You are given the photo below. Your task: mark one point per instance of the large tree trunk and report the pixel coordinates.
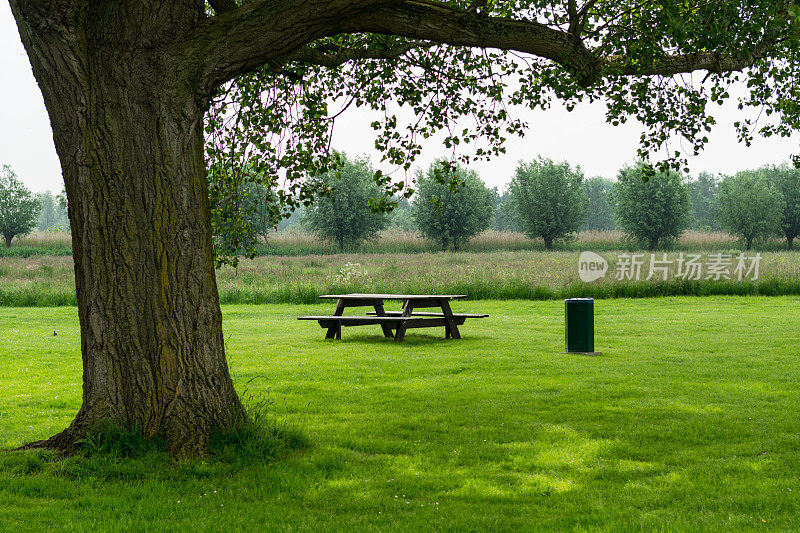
(129, 137)
(8, 240)
(548, 244)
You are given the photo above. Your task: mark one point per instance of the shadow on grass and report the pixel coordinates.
(441, 467)
(123, 454)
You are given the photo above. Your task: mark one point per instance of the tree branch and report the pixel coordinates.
(264, 31)
(316, 56)
(578, 20)
(442, 23)
(585, 8)
(268, 31)
(572, 11)
(683, 63)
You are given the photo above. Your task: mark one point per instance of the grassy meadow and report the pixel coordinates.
(531, 275)
(687, 421)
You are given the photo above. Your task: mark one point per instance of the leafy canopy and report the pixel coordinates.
(450, 214)
(18, 207)
(550, 199)
(52, 215)
(400, 217)
(505, 216)
(243, 212)
(636, 57)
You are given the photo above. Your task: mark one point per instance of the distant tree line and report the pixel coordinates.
(52, 214)
(544, 199)
(553, 201)
(22, 211)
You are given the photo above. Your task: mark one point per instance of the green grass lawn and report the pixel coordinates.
(689, 420)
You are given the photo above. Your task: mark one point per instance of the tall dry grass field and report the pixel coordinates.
(296, 241)
(486, 275)
(46, 239)
(299, 242)
(39, 243)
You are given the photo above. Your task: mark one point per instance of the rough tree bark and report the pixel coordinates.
(129, 136)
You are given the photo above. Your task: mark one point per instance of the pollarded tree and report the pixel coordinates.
(651, 211)
(750, 206)
(342, 213)
(51, 213)
(505, 217)
(452, 205)
(401, 218)
(243, 210)
(787, 180)
(128, 83)
(18, 207)
(241, 217)
(703, 192)
(600, 214)
(549, 198)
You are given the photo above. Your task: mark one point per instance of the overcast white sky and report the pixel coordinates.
(581, 137)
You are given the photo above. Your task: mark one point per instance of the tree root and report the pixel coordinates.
(65, 443)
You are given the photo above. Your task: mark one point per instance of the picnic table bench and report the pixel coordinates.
(394, 323)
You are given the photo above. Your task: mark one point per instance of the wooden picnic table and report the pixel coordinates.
(394, 323)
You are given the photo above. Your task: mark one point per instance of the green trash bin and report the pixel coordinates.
(579, 325)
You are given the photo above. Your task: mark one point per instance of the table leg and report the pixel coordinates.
(451, 329)
(408, 308)
(379, 311)
(335, 332)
